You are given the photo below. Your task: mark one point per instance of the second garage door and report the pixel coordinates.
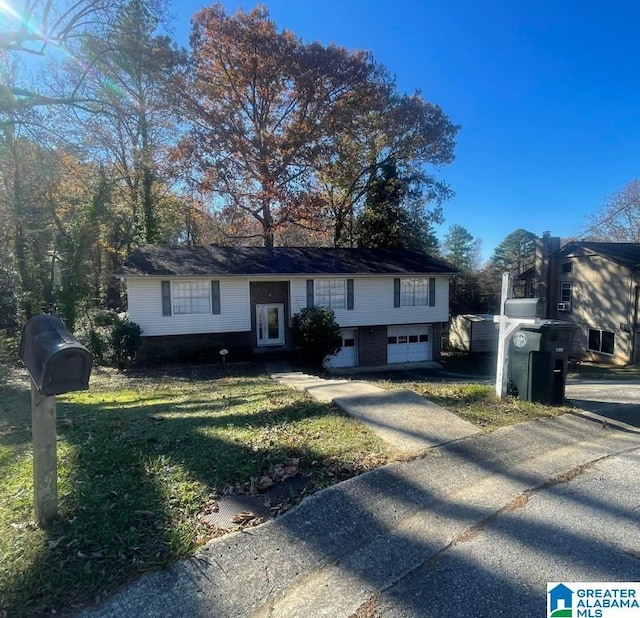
(348, 354)
(409, 343)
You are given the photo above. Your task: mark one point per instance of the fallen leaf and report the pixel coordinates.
(264, 482)
(243, 517)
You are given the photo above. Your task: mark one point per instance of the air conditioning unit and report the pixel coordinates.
(564, 306)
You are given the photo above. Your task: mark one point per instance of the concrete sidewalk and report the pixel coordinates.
(338, 549)
(402, 418)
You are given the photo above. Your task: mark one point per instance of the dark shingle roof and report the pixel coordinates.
(212, 260)
(623, 253)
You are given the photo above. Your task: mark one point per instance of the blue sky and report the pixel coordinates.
(547, 94)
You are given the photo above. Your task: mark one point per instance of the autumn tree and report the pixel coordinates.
(618, 220)
(132, 122)
(262, 105)
(286, 133)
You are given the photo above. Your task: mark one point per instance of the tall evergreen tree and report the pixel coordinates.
(390, 219)
(516, 253)
(459, 248)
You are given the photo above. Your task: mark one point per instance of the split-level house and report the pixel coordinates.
(390, 304)
(596, 285)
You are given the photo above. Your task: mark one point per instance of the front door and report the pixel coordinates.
(270, 324)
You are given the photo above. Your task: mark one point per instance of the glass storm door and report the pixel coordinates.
(270, 324)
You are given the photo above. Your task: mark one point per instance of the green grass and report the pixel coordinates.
(478, 403)
(483, 364)
(600, 371)
(140, 457)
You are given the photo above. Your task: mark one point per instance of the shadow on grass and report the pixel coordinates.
(134, 476)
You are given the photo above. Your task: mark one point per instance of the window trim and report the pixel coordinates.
(210, 291)
(601, 333)
(563, 285)
(348, 294)
(413, 297)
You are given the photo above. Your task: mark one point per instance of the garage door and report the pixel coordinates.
(409, 344)
(348, 354)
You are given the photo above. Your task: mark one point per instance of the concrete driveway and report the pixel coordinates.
(582, 530)
(618, 401)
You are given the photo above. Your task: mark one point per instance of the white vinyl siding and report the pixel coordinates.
(373, 303)
(145, 308)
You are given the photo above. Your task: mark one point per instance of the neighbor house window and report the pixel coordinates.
(414, 292)
(566, 267)
(603, 341)
(191, 297)
(565, 292)
(331, 293)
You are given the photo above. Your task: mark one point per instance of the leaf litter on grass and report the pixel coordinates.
(143, 458)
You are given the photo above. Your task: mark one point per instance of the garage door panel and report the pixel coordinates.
(409, 343)
(348, 354)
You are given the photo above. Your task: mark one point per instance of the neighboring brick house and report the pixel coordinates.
(390, 304)
(597, 286)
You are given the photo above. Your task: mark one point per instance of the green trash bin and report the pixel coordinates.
(538, 358)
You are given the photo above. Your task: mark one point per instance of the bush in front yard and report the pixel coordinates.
(126, 339)
(109, 336)
(317, 334)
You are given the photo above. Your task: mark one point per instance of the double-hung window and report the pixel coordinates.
(191, 297)
(414, 292)
(565, 292)
(331, 293)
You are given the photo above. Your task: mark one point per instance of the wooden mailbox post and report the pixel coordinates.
(57, 363)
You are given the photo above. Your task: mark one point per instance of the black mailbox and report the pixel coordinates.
(54, 358)
(524, 308)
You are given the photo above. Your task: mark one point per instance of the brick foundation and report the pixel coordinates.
(200, 348)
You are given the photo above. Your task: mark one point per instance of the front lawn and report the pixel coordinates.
(141, 460)
(478, 404)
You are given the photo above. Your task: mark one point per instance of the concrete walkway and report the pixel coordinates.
(402, 418)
